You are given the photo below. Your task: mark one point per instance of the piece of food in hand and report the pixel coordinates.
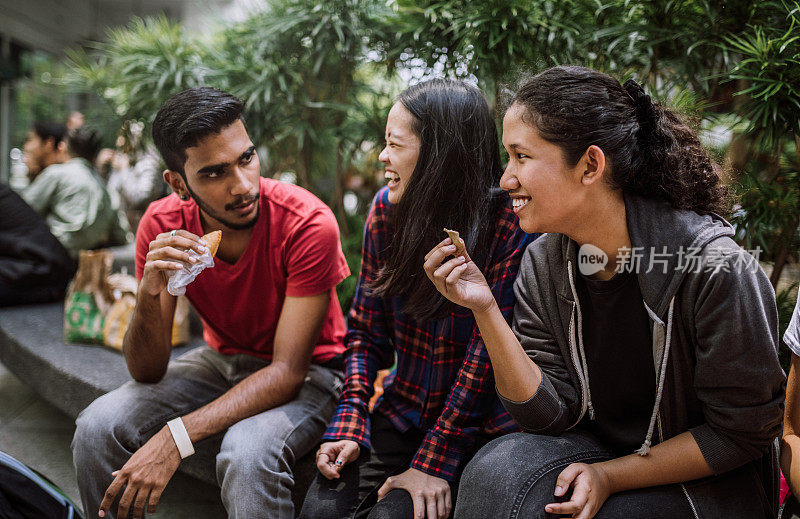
(457, 241)
(179, 279)
(213, 239)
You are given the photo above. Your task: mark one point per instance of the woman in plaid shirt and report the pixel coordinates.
(404, 458)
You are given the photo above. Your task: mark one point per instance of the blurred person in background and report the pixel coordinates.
(75, 120)
(133, 174)
(44, 147)
(72, 199)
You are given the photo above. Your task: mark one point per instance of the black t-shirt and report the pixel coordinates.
(619, 355)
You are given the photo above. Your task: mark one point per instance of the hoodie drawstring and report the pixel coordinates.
(644, 450)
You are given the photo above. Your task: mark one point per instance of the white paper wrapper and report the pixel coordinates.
(178, 279)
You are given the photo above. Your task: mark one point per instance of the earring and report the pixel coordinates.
(183, 197)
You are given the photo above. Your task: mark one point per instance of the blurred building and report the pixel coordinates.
(49, 27)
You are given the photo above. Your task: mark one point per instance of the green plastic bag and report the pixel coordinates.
(88, 298)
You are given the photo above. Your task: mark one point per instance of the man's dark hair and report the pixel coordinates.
(83, 142)
(188, 117)
(50, 130)
(454, 185)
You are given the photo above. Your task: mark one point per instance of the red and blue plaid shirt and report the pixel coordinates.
(443, 384)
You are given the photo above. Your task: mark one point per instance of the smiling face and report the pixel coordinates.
(546, 191)
(401, 152)
(223, 177)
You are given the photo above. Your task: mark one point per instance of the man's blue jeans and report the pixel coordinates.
(514, 476)
(254, 465)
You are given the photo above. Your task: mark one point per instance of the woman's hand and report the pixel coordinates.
(431, 495)
(458, 279)
(590, 489)
(332, 456)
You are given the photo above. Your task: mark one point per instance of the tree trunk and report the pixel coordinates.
(782, 255)
(774, 169)
(306, 159)
(738, 154)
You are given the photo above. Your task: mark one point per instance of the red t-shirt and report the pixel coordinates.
(294, 251)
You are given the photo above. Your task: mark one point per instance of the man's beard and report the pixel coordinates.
(213, 214)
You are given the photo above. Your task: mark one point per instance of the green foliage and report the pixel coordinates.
(39, 97)
(492, 40)
(770, 65)
(141, 66)
(297, 66)
(769, 204)
(768, 77)
(668, 43)
(771, 207)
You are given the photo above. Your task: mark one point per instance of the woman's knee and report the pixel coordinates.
(328, 499)
(317, 509)
(518, 470)
(397, 504)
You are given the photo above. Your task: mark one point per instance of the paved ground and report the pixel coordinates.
(38, 434)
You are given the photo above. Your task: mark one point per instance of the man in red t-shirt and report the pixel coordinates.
(269, 379)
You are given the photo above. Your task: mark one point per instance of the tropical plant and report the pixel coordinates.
(140, 66)
(770, 66)
(769, 70)
(296, 65)
(491, 40)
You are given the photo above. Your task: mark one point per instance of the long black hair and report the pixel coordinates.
(652, 152)
(454, 185)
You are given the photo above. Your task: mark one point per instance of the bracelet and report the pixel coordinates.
(181, 437)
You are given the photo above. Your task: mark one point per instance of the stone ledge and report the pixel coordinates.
(70, 376)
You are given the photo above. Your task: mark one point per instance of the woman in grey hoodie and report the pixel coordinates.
(642, 364)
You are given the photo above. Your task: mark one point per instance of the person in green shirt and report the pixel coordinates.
(73, 200)
(44, 147)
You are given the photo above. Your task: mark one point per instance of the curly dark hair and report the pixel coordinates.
(651, 150)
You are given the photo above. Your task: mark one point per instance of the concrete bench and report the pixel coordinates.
(71, 376)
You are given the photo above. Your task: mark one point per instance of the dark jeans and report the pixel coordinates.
(355, 493)
(514, 476)
(790, 508)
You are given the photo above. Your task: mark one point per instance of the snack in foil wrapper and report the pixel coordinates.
(178, 279)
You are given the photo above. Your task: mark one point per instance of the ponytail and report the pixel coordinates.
(652, 152)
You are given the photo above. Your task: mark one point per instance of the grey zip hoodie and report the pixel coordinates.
(715, 337)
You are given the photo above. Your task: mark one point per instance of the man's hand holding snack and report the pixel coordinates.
(458, 279)
(168, 253)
